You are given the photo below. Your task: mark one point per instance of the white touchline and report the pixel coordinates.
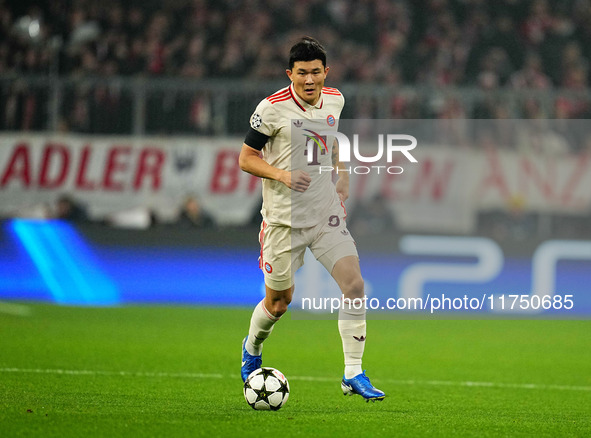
(109, 373)
(539, 386)
(15, 309)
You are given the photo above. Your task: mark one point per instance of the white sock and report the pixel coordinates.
(352, 371)
(261, 326)
(352, 327)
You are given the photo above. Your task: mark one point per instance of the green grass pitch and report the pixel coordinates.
(174, 371)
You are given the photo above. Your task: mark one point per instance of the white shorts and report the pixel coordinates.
(283, 247)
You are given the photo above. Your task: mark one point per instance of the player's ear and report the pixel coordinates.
(326, 69)
(289, 73)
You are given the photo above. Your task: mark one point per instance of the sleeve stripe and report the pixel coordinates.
(278, 93)
(280, 100)
(331, 91)
(278, 96)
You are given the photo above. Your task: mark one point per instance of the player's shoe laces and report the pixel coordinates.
(249, 362)
(361, 385)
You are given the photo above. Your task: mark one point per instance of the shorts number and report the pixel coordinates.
(334, 221)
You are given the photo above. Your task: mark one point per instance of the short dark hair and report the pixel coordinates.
(307, 49)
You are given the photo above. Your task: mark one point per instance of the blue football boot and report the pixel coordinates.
(249, 362)
(361, 385)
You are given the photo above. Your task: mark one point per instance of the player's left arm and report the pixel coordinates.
(342, 184)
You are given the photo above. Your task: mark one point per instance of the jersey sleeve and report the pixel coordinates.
(342, 105)
(264, 119)
(338, 115)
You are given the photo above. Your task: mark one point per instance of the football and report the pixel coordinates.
(266, 389)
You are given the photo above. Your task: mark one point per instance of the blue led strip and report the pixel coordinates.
(41, 258)
(65, 262)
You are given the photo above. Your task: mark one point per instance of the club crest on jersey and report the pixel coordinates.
(330, 120)
(268, 267)
(256, 121)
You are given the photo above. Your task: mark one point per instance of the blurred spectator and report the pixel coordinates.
(193, 216)
(486, 104)
(23, 108)
(530, 75)
(531, 108)
(69, 210)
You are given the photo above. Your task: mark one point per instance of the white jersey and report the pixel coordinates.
(292, 126)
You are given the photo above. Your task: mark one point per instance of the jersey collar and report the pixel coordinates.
(303, 104)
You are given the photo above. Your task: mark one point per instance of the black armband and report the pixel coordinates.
(255, 139)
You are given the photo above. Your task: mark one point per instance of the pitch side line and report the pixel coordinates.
(15, 309)
(302, 378)
(109, 373)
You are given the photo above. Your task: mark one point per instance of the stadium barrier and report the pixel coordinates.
(176, 106)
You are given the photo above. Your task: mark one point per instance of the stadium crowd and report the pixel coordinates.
(492, 47)
(516, 43)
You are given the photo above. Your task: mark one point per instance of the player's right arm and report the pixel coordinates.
(250, 161)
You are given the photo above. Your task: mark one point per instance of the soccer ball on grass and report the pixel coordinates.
(266, 389)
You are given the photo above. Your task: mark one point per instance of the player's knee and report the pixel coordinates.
(279, 307)
(354, 288)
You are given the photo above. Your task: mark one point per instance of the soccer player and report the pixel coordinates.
(303, 208)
